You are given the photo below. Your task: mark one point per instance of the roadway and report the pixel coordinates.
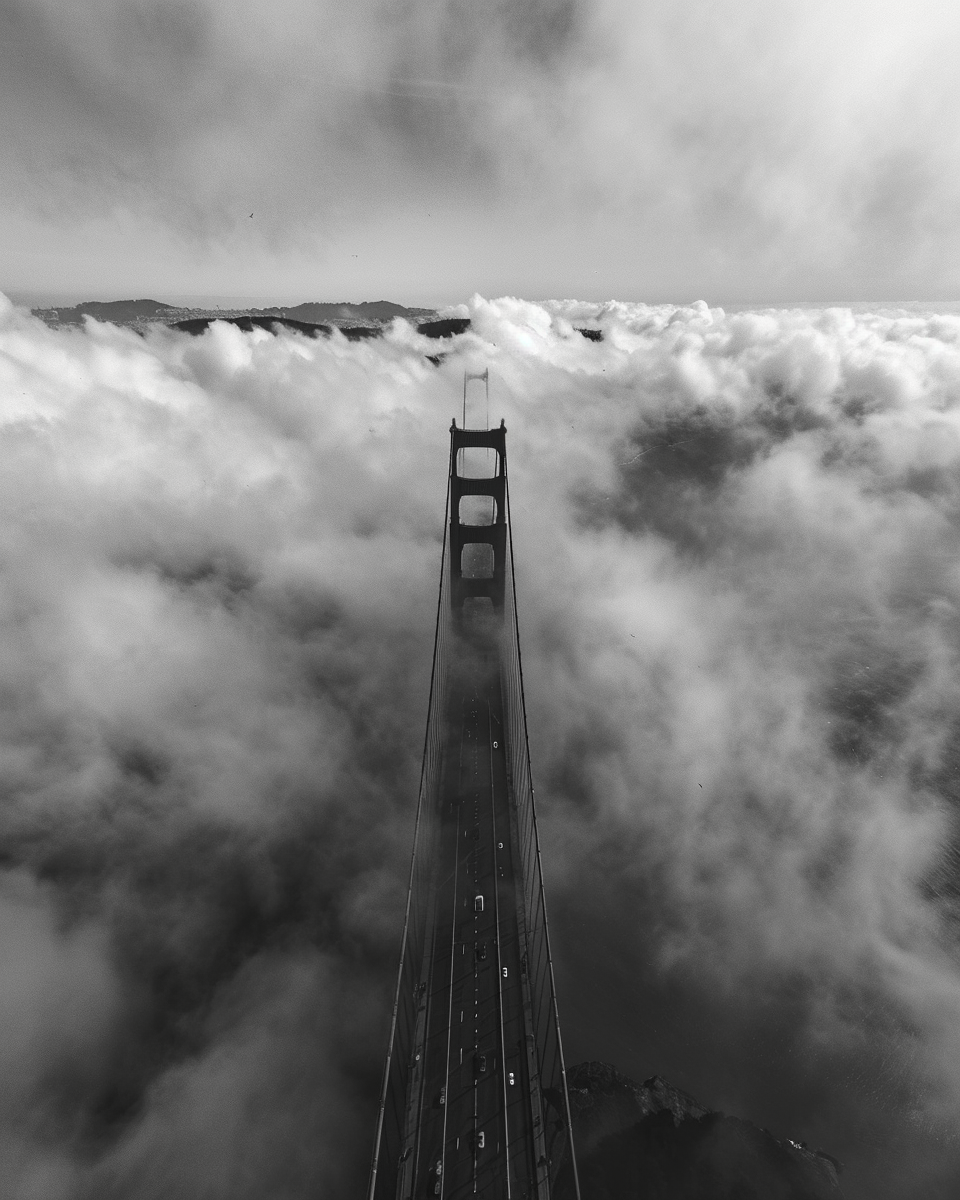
(479, 1126)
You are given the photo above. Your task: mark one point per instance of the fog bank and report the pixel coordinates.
(737, 543)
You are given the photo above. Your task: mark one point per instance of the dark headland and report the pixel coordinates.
(651, 1141)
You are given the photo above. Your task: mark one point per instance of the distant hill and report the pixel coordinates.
(355, 321)
(369, 314)
(381, 311)
(271, 322)
(250, 321)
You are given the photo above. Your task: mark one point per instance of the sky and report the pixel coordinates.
(737, 543)
(736, 151)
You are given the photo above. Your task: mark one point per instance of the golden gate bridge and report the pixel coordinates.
(474, 1100)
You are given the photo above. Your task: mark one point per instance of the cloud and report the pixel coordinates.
(182, 109)
(269, 1107)
(58, 1001)
(736, 539)
(210, 657)
(740, 150)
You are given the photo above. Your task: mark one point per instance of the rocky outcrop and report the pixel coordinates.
(603, 1101)
(651, 1141)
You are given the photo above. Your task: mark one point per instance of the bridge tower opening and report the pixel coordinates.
(475, 575)
(474, 1100)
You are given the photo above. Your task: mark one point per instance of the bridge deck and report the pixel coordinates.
(479, 1126)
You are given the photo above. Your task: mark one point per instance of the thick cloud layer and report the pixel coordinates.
(739, 148)
(737, 542)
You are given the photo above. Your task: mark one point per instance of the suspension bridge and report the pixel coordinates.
(474, 1100)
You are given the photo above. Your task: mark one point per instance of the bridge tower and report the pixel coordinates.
(474, 1100)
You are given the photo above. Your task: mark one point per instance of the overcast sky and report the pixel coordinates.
(734, 150)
